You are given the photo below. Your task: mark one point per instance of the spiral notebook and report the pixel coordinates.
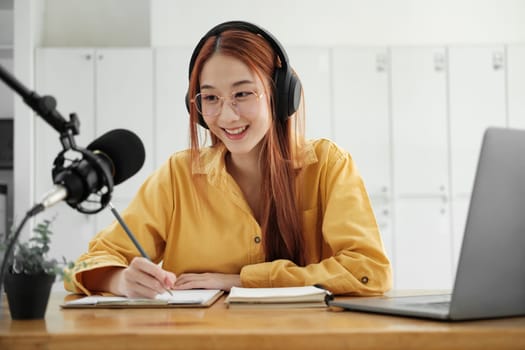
(178, 298)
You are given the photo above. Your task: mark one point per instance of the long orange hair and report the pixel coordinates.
(281, 220)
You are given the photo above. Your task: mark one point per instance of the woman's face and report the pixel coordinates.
(245, 116)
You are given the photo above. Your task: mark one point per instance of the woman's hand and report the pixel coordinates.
(207, 281)
(143, 279)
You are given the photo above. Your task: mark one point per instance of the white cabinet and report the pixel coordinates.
(171, 85)
(313, 68)
(124, 99)
(419, 121)
(67, 76)
(423, 257)
(361, 124)
(420, 167)
(383, 210)
(361, 112)
(107, 88)
(516, 85)
(476, 100)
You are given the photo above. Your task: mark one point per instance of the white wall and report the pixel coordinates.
(352, 22)
(96, 23)
(6, 27)
(294, 22)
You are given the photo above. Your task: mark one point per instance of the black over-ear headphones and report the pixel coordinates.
(287, 84)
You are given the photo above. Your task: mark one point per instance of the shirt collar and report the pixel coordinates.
(211, 159)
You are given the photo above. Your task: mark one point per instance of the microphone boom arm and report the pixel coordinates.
(45, 107)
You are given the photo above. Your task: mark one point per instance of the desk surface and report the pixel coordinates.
(220, 328)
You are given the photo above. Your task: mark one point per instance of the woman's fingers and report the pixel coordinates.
(142, 278)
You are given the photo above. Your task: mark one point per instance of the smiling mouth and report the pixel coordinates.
(236, 131)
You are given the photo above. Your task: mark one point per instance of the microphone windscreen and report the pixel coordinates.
(124, 149)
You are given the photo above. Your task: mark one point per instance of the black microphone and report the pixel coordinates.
(107, 161)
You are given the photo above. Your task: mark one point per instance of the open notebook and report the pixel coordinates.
(284, 297)
(179, 298)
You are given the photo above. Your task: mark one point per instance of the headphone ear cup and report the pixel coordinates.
(187, 101)
(294, 94)
(287, 93)
(201, 119)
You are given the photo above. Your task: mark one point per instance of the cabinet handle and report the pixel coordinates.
(381, 62)
(497, 60)
(87, 57)
(100, 57)
(439, 62)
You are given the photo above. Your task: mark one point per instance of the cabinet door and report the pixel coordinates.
(477, 100)
(171, 85)
(362, 124)
(124, 99)
(313, 68)
(67, 75)
(423, 257)
(361, 112)
(419, 121)
(516, 85)
(383, 212)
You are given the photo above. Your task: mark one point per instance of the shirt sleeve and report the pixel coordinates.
(354, 260)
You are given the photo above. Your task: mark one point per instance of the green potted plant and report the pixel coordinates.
(30, 274)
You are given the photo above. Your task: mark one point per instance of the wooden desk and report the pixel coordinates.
(220, 328)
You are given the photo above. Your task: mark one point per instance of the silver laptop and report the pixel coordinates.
(490, 278)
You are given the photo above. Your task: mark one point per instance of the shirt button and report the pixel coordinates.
(257, 239)
(364, 280)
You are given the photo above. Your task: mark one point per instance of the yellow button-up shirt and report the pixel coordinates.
(195, 219)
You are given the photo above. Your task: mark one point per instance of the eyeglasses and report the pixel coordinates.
(243, 102)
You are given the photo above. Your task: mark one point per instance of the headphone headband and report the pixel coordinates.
(244, 26)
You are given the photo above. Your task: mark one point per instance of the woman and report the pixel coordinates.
(260, 207)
